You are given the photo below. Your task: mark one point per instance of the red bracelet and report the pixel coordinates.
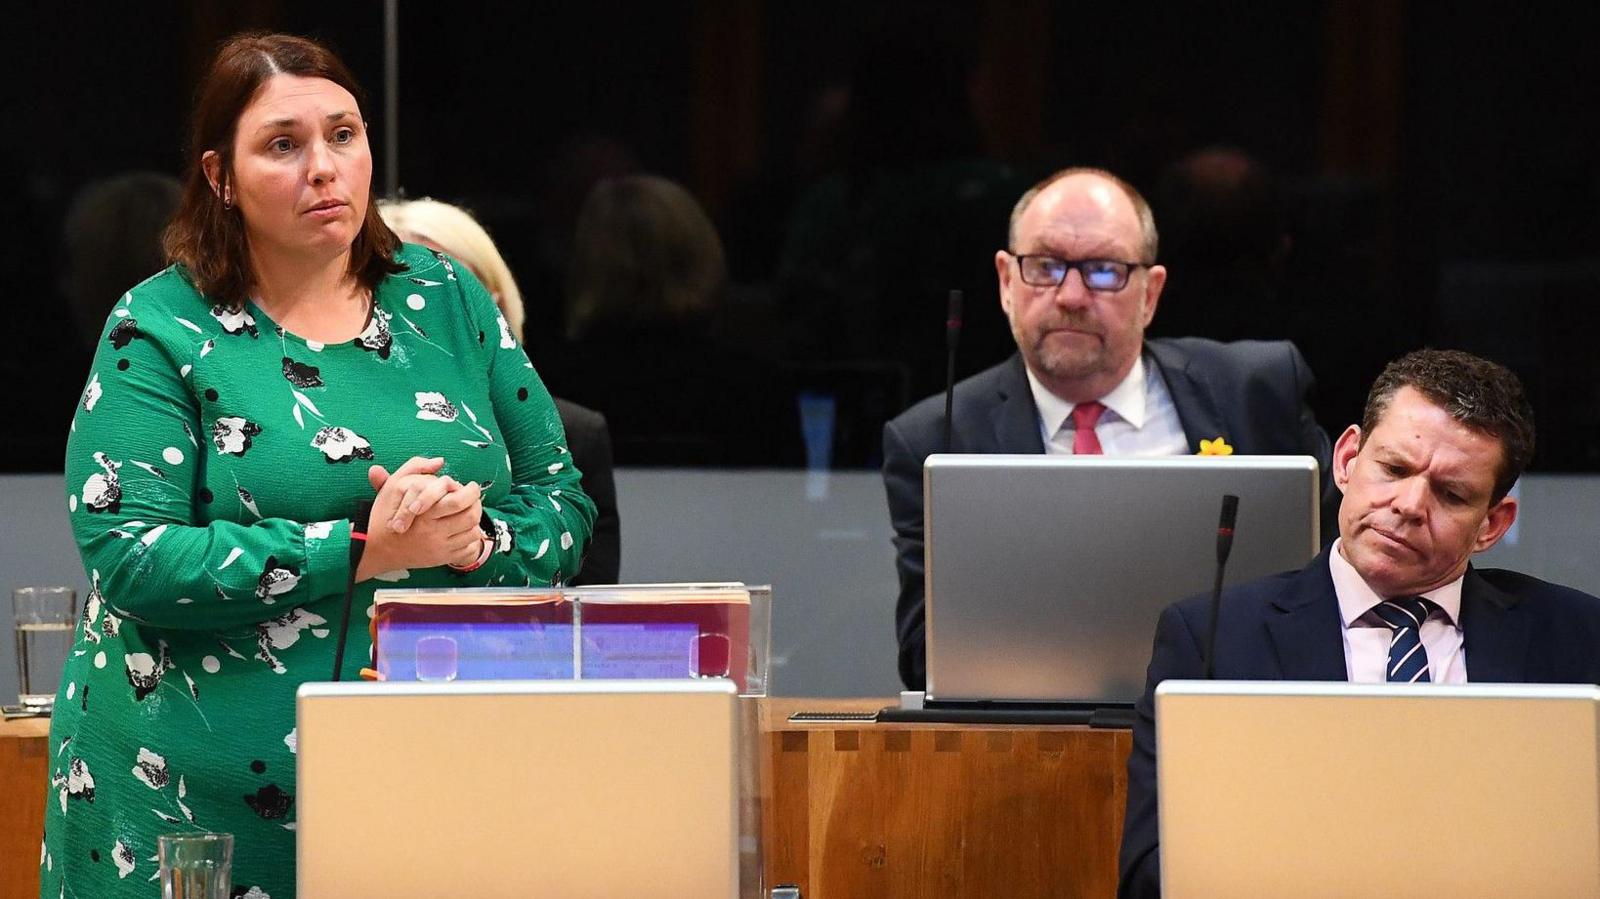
(485, 550)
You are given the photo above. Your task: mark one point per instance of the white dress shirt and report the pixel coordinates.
(1366, 638)
(1140, 417)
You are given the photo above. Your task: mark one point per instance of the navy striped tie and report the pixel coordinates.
(1408, 659)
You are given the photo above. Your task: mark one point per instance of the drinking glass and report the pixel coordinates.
(195, 865)
(44, 620)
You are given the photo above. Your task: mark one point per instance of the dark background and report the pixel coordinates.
(1434, 170)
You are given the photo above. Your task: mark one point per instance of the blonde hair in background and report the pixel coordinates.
(453, 230)
(644, 252)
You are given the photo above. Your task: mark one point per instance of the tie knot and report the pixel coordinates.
(1404, 611)
(1086, 415)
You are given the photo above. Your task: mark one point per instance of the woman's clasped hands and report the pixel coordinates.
(421, 519)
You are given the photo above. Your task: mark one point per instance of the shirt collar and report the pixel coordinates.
(1356, 598)
(1127, 399)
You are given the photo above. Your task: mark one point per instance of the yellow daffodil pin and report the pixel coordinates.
(1217, 447)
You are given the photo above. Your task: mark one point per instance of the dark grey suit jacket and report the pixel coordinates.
(589, 440)
(1251, 392)
(1515, 629)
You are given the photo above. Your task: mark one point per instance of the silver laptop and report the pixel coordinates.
(1339, 790)
(1045, 574)
(518, 788)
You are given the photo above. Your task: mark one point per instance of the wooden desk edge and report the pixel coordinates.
(24, 728)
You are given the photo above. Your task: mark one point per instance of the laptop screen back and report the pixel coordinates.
(1336, 790)
(1045, 574)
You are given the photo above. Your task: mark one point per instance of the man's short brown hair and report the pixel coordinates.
(1483, 395)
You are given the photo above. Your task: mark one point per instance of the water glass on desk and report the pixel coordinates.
(44, 618)
(195, 865)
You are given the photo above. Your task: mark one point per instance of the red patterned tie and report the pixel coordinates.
(1084, 440)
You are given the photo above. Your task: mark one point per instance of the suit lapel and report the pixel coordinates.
(1495, 633)
(1305, 628)
(1191, 394)
(1015, 419)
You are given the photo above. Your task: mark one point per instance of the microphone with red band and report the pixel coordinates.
(1230, 513)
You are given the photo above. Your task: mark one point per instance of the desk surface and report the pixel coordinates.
(24, 728)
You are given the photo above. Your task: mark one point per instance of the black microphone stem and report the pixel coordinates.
(1211, 638)
(1230, 513)
(358, 546)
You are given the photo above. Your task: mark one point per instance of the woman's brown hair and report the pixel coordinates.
(207, 237)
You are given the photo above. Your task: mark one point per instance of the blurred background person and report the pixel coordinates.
(111, 240)
(1225, 237)
(452, 230)
(648, 279)
(872, 250)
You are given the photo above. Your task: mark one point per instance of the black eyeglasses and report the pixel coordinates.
(1097, 274)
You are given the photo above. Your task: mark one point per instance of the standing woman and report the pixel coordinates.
(294, 361)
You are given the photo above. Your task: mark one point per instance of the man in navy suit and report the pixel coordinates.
(1426, 479)
(1079, 284)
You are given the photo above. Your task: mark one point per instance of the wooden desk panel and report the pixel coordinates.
(916, 810)
(849, 810)
(24, 772)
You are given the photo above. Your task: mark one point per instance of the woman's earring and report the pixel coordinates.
(227, 196)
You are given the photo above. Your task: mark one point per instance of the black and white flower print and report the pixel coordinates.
(123, 856)
(283, 632)
(248, 499)
(103, 492)
(300, 374)
(505, 538)
(377, 338)
(91, 609)
(183, 791)
(507, 341)
(234, 435)
(151, 469)
(151, 769)
(276, 580)
(341, 445)
(92, 392)
(239, 322)
(434, 407)
(144, 671)
(124, 333)
(79, 783)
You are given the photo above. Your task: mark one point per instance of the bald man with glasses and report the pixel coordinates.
(1079, 285)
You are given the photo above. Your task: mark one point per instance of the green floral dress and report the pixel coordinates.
(213, 465)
